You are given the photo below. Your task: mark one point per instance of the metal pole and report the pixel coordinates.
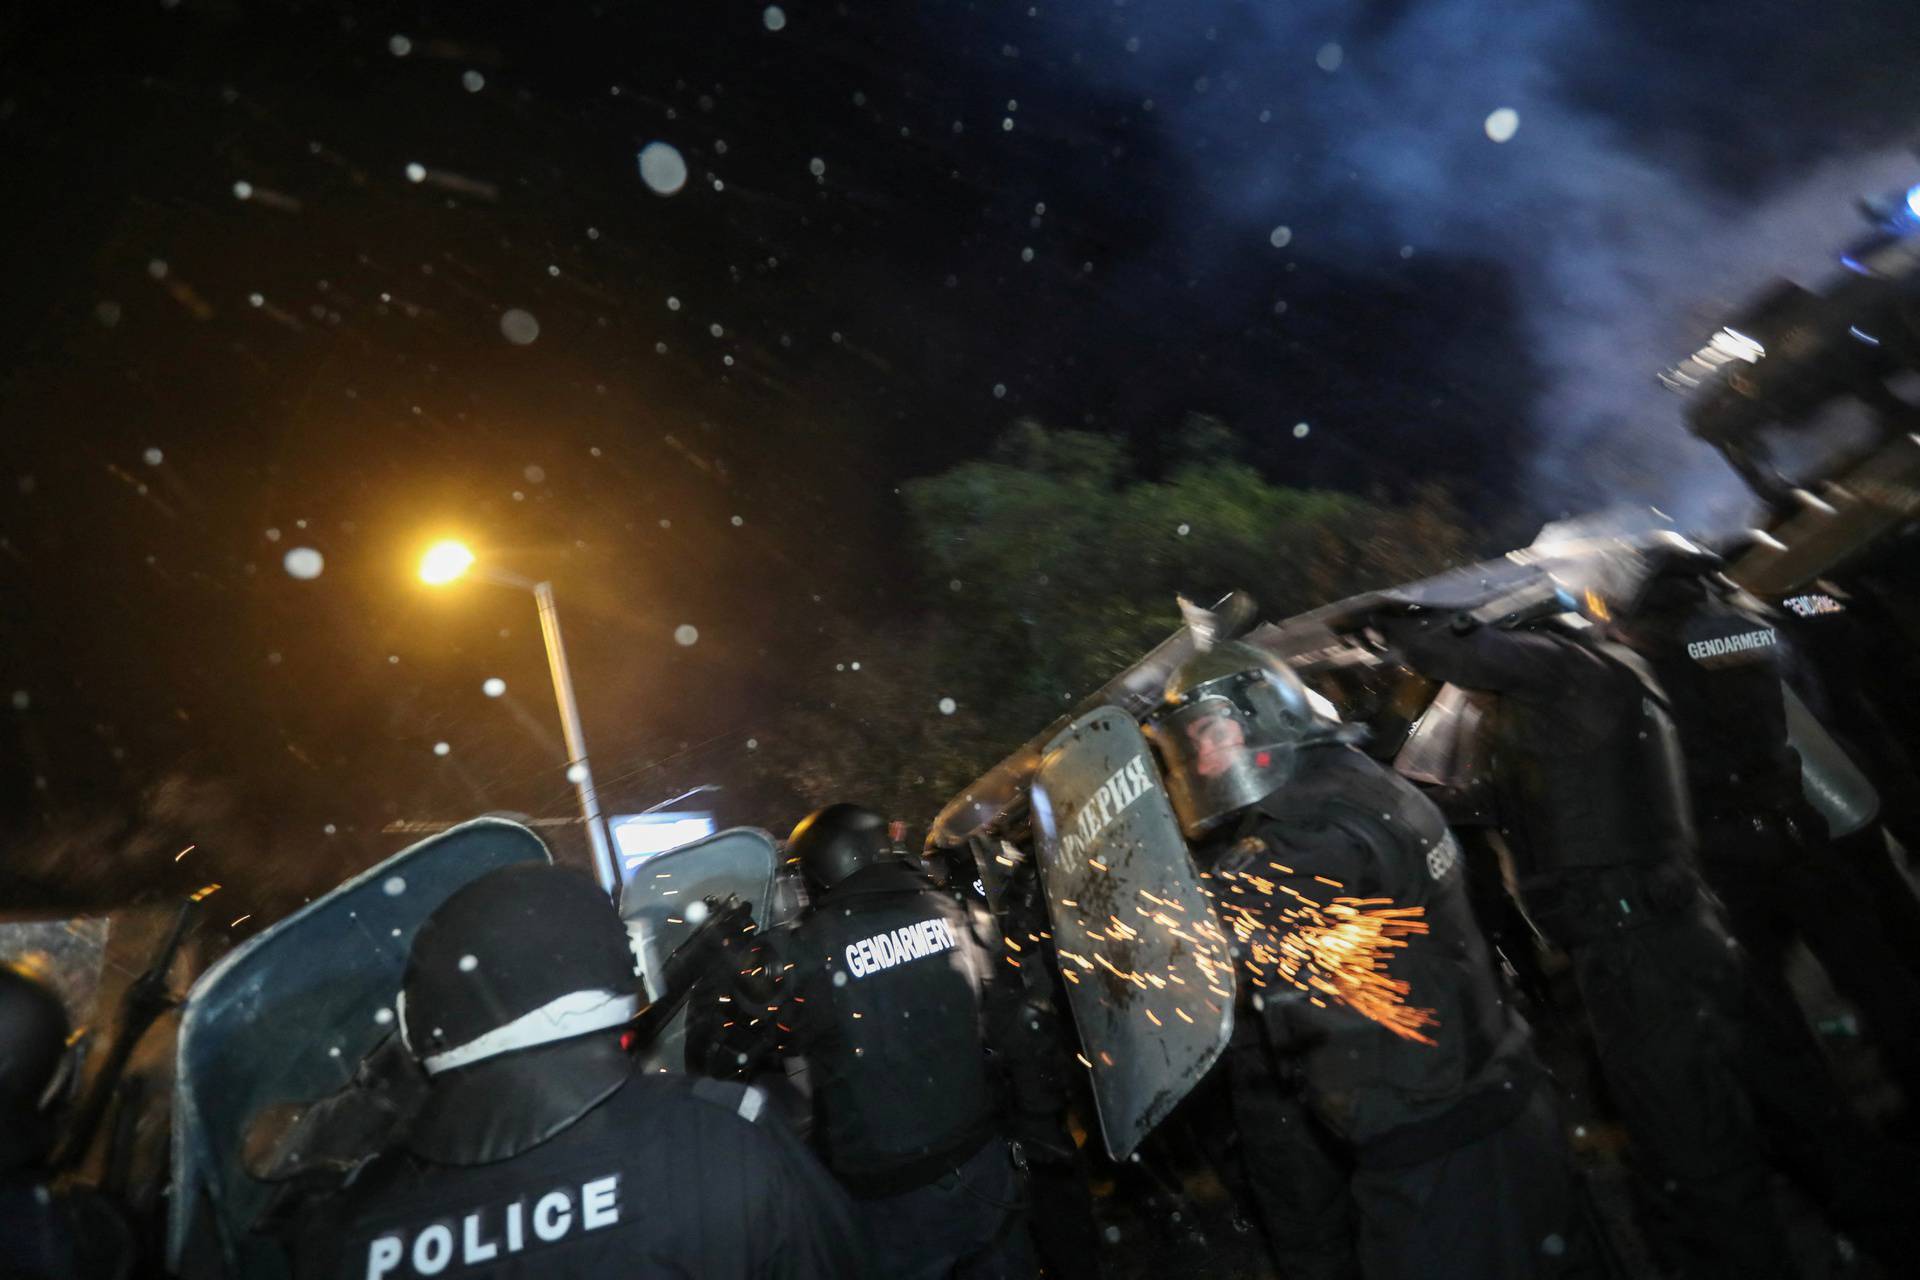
(576, 741)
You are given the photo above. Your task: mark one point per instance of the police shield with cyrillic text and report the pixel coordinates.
(540, 1149)
(886, 994)
(1145, 961)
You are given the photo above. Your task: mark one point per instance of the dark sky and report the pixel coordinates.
(236, 327)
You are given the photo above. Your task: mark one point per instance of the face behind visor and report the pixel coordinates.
(1230, 730)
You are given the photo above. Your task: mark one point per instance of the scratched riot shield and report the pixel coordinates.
(663, 903)
(1832, 782)
(291, 1014)
(1148, 969)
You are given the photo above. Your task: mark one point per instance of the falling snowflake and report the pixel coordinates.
(738, 521)
(153, 457)
(948, 706)
(1300, 430)
(394, 886)
(686, 634)
(442, 748)
(817, 167)
(304, 563)
(22, 699)
(399, 46)
(1280, 237)
(472, 81)
(493, 686)
(663, 168)
(243, 191)
(1503, 124)
(1184, 530)
(775, 17)
(535, 474)
(999, 393)
(673, 304)
(576, 774)
(753, 744)
(1330, 57)
(416, 173)
(519, 327)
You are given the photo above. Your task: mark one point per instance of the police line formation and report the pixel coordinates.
(1314, 868)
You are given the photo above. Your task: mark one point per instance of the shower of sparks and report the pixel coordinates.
(1339, 950)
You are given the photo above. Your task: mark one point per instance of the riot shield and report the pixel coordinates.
(1832, 782)
(1148, 969)
(289, 1016)
(656, 904)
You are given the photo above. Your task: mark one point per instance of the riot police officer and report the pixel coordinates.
(538, 1149)
(1764, 850)
(1593, 810)
(74, 1233)
(887, 989)
(1419, 1101)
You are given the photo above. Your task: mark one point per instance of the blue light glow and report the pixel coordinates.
(1913, 199)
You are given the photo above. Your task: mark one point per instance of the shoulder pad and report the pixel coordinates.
(744, 1100)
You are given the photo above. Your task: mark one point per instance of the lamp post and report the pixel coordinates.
(445, 562)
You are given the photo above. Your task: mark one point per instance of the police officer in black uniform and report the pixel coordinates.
(539, 1151)
(887, 992)
(1421, 1104)
(1765, 853)
(73, 1233)
(1593, 809)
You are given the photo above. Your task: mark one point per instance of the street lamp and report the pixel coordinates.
(448, 561)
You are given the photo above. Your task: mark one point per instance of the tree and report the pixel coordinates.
(1052, 564)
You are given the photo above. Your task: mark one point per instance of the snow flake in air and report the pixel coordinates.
(535, 473)
(442, 748)
(304, 563)
(416, 172)
(948, 706)
(716, 331)
(1502, 124)
(330, 829)
(399, 46)
(153, 457)
(1330, 57)
(1300, 430)
(576, 774)
(519, 327)
(493, 686)
(1026, 254)
(663, 168)
(775, 17)
(157, 268)
(394, 886)
(1184, 530)
(1280, 237)
(753, 744)
(817, 167)
(686, 635)
(738, 521)
(243, 191)
(673, 304)
(22, 699)
(472, 81)
(999, 393)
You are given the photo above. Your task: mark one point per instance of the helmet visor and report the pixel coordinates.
(1220, 755)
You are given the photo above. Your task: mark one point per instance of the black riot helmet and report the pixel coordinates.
(36, 1066)
(525, 955)
(833, 843)
(1229, 729)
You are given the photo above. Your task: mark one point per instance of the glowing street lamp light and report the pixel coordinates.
(445, 562)
(450, 560)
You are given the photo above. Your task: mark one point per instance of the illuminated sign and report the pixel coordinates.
(1813, 604)
(640, 836)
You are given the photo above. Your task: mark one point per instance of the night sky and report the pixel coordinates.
(276, 269)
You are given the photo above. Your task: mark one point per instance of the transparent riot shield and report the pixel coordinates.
(290, 1015)
(1833, 783)
(662, 904)
(1148, 969)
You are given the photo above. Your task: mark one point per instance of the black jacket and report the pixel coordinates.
(1720, 664)
(1348, 831)
(1586, 763)
(886, 999)
(663, 1177)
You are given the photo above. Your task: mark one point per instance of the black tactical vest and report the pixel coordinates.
(1721, 671)
(1350, 820)
(888, 992)
(1594, 779)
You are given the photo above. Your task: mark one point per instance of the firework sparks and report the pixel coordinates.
(1339, 950)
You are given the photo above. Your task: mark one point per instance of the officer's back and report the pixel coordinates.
(539, 1151)
(887, 1010)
